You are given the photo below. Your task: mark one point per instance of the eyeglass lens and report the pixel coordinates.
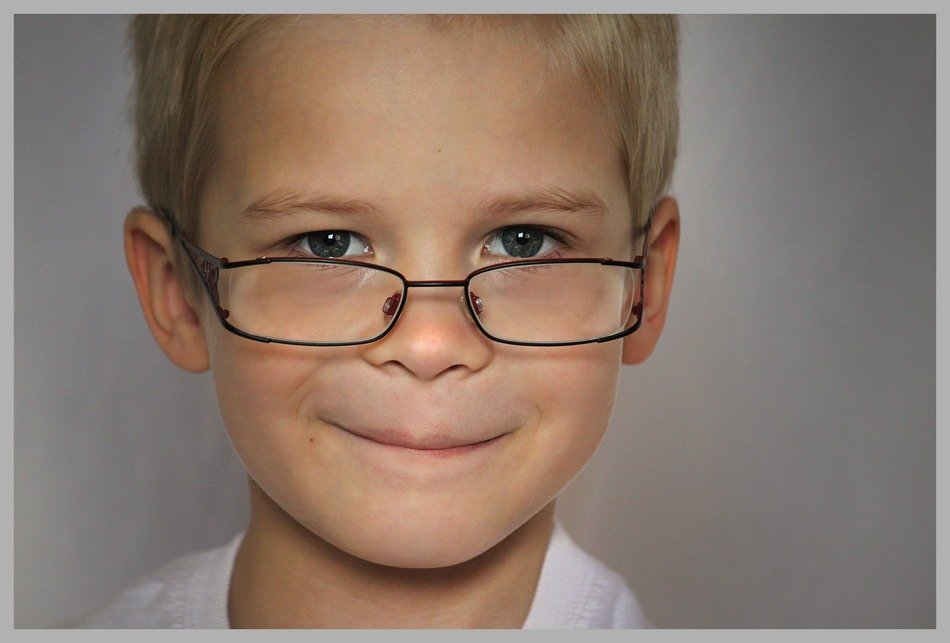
(339, 303)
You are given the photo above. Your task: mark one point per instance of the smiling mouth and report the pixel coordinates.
(439, 446)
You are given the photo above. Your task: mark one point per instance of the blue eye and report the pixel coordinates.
(521, 242)
(330, 244)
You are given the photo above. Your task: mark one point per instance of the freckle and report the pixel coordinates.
(311, 439)
(438, 150)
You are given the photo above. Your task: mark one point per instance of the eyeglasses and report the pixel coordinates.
(338, 302)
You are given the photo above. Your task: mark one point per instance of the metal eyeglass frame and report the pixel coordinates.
(209, 266)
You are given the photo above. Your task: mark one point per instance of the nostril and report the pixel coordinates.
(392, 303)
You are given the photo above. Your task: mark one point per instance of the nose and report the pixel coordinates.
(434, 335)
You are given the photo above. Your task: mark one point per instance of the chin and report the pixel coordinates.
(416, 554)
(426, 541)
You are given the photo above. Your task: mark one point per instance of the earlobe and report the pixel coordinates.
(172, 318)
(658, 281)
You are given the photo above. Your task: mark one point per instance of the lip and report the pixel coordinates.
(435, 446)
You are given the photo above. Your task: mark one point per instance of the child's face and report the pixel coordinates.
(427, 126)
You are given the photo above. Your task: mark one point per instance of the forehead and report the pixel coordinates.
(390, 109)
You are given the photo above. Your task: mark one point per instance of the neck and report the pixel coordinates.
(285, 576)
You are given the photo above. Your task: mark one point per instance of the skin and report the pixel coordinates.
(427, 125)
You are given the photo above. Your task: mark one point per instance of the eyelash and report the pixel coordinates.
(293, 244)
(560, 241)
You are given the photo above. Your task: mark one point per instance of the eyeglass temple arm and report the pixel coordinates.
(642, 259)
(194, 252)
(207, 265)
(646, 240)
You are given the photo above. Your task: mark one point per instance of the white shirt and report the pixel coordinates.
(575, 590)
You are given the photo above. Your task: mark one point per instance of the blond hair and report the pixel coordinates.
(631, 61)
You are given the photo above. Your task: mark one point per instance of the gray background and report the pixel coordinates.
(772, 465)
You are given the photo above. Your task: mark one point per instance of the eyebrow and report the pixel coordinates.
(558, 199)
(283, 201)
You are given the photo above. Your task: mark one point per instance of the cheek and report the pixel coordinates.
(263, 392)
(574, 394)
(253, 380)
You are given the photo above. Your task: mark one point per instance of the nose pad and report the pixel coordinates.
(438, 333)
(477, 304)
(391, 305)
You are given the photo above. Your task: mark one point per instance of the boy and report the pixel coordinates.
(412, 252)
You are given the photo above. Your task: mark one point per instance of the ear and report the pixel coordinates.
(658, 281)
(172, 318)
